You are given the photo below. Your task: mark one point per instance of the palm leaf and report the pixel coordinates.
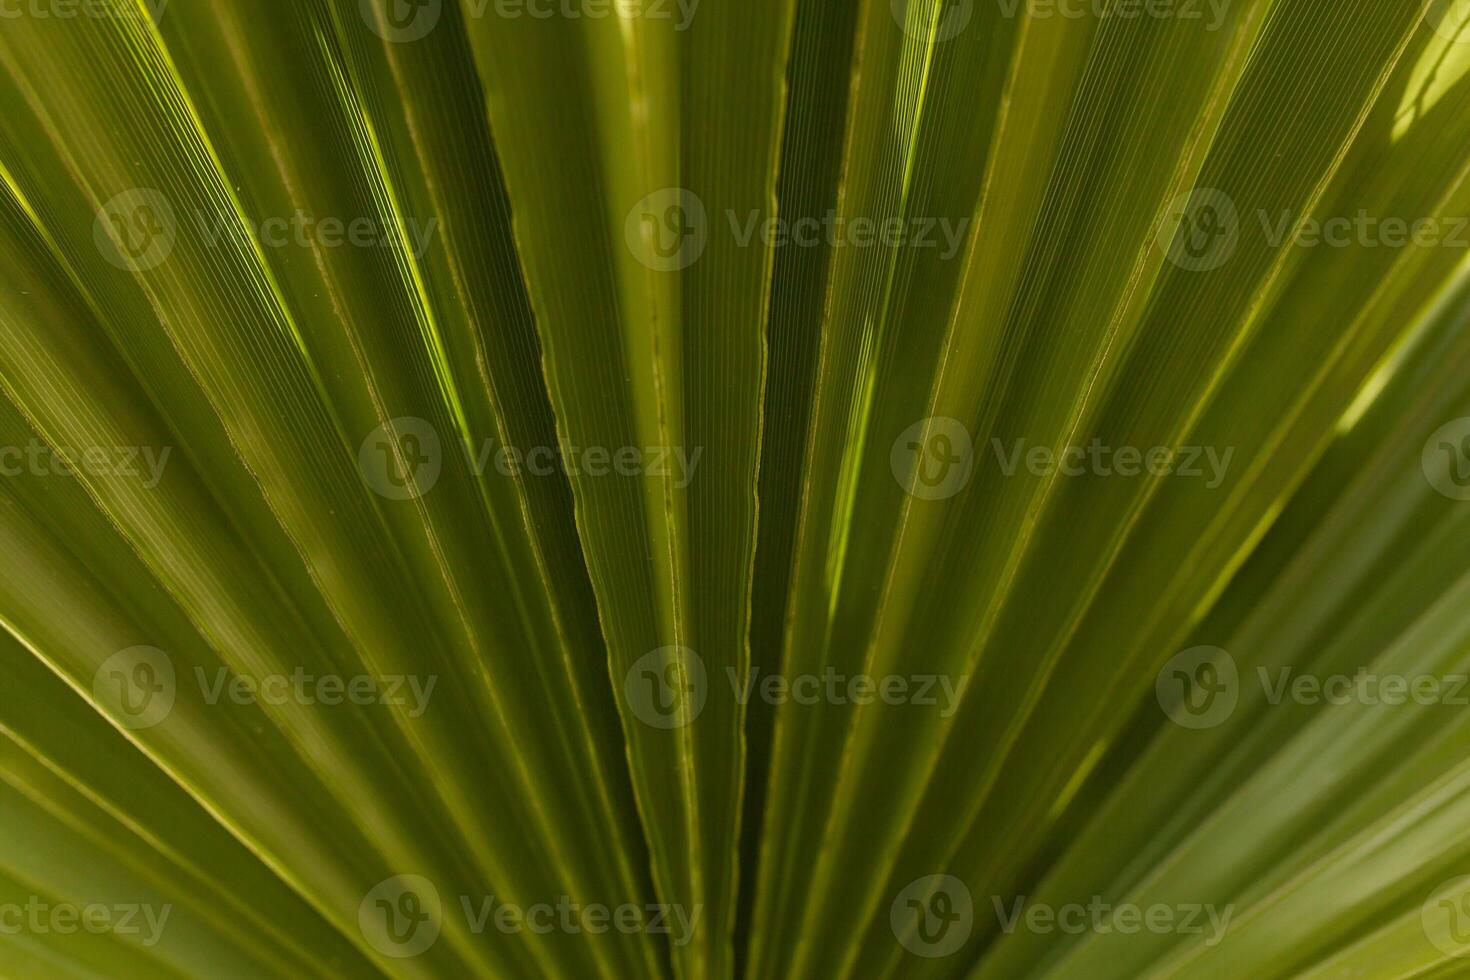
(446, 444)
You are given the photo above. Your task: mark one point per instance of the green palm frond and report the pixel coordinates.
(735, 488)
